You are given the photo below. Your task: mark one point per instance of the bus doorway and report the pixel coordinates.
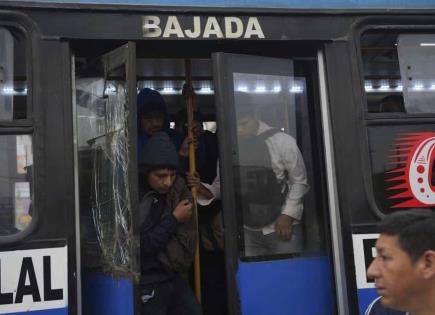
(281, 93)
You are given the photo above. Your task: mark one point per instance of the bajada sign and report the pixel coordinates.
(201, 27)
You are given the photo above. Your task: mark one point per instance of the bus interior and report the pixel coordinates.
(160, 66)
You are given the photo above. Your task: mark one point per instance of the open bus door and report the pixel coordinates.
(264, 274)
(106, 183)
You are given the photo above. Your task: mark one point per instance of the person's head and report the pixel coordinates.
(392, 104)
(197, 124)
(404, 267)
(161, 179)
(247, 122)
(160, 162)
(152, 112)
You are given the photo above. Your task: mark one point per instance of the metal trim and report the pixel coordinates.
(76, 190)
(119, 7)
(334, 212)
(232, 237)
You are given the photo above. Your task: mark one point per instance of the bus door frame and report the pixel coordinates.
(231, 239)
(341, 289)
(124, 55)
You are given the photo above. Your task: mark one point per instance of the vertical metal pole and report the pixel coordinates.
(334, 213)
(192, 171)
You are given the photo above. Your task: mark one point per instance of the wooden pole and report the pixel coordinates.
(192, 171)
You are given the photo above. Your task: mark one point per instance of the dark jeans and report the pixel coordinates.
(173, 297)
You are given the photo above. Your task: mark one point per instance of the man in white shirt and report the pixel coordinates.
(270, 227)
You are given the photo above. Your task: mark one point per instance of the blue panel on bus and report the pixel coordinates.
(55, 311)
(365, 297)
(288, 4)
(299, 286)
(105, 295)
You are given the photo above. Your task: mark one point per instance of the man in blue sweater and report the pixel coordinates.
(167, 233)
(404, 267)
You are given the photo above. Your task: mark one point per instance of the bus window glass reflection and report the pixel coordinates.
(16, 180)
(398, 72)
(271, 178)
(13, 83)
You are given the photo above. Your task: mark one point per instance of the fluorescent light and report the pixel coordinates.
(169, 91)
(260, 89)
(427, 44)
(8, 90)
(277, 88)
(11, 91)
(418, 87)
(296, 89)
(205, 90)
(242, 88)
(384, 87)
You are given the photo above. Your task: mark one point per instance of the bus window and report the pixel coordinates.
(16, 152)
(16, 160)
(13, 84)
(398, 72)
(382, 80)
(417, 68)
(399, 82)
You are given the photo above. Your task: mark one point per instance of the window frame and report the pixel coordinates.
(21, 23)
(406, 24)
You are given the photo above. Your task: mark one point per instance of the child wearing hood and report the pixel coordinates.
(153, 117)
(167, 232)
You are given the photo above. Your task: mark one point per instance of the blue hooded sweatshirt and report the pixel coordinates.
(149, 100)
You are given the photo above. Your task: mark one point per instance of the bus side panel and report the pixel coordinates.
(104, 294)
(290, 283)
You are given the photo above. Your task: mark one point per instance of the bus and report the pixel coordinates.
(350, 81)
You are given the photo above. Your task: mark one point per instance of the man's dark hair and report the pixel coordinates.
(392, 103)
(415, 229)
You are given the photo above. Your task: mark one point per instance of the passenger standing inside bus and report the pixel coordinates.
(213, 284)
(167, 233)
(272, 182)
(152, 116)
(404, 267)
